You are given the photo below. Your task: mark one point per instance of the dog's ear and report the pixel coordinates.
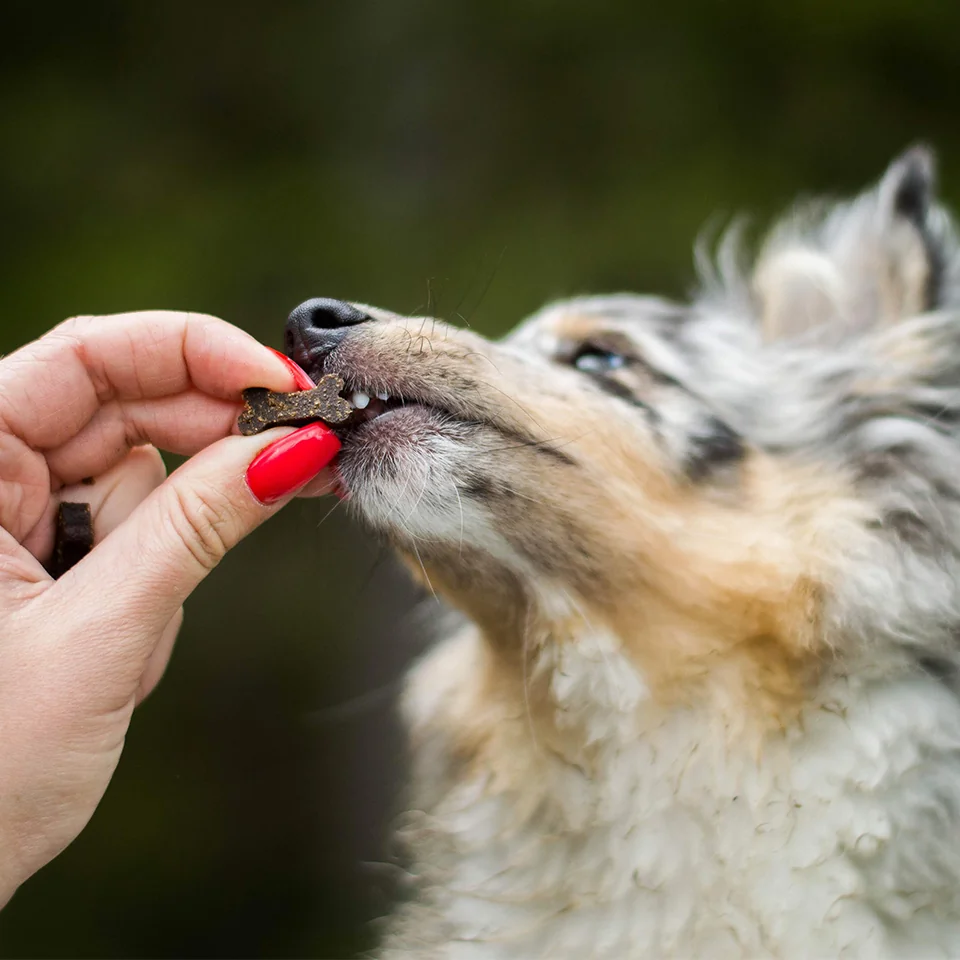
(870, 262)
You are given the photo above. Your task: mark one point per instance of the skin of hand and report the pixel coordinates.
(94, 398)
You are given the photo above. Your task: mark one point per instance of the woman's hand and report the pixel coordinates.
(88, 402)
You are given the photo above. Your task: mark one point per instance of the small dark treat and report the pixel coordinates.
(74, 537)
(264, 409)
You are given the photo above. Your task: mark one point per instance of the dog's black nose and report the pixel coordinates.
(324, 314)
(316, 328)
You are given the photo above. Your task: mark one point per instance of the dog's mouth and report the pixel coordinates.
(382, 426)
(368, 406)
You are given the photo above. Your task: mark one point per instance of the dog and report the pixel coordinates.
(704, 700)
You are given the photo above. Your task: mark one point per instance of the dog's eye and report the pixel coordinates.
(590, 359)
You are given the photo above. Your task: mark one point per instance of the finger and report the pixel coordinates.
(26, 508)
(320, 486)
(112, 497)
(159, 658)
(54, 386)
(182, 424)
(22, 576)
(130, 586)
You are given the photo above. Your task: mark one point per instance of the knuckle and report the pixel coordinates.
(72, 330)
(149, 459)
(205, 524)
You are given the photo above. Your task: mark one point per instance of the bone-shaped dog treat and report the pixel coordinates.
(264, 409)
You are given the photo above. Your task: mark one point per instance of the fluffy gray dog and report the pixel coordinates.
(705, 700)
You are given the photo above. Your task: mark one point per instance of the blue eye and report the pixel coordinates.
(594, 360)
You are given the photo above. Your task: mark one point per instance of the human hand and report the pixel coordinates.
(77, 654)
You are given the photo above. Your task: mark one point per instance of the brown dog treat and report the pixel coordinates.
(264, 409)
(73, 539)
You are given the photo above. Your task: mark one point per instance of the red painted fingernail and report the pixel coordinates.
(286, 465)
(300, 376)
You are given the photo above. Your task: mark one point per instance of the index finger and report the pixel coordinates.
(51, 388)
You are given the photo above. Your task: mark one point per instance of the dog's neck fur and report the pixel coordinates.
(624, 829)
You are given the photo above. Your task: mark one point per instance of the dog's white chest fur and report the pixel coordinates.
(671, 843)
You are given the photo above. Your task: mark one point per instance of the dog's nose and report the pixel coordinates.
(316, 327)
(324, 314)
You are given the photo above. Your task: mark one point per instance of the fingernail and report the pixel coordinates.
(286, 465)
(300, 376)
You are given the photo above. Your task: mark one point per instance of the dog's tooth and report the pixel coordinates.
(359, 399)
(383, 395)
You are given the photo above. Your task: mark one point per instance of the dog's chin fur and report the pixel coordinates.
(705, 700)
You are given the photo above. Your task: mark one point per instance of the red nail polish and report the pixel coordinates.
(286, 465)
(300, 376)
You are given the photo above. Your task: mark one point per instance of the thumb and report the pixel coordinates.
(146, 568)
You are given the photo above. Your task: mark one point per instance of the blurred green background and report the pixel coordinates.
(474, 157)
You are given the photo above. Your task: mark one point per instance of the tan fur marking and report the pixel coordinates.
(903, 279)
(703, 616)
(738, 589)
